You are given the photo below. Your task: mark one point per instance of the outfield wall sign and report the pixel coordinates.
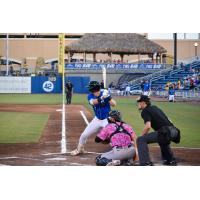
(15, 84)
(48, 86)
(112, 66)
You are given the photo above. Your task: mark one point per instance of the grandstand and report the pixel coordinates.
(129, 58)
(159, 80)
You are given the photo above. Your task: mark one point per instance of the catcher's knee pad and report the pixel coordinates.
(102, 161)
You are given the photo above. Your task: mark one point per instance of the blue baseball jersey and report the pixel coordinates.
(101, 110)
(171, 91)
(146, 87)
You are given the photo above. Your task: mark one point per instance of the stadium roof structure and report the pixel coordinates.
(115, 43)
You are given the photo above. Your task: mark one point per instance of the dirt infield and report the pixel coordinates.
(47, 151)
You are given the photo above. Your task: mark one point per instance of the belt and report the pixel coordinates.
(102, 118)
(130, 145)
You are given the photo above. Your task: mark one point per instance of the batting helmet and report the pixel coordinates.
(94, 86)
(116, 115)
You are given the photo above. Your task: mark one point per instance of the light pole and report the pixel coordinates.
(7, 53)
(175, 49)
(195, 46)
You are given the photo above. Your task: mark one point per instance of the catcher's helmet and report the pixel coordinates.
(116, 115)
(94, 86)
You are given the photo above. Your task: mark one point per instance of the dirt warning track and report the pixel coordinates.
(47, 151)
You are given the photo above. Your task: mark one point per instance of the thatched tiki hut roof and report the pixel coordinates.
(114, 43)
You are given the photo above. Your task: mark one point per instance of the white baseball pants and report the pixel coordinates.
(92, 128)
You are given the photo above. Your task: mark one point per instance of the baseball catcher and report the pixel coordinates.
(121, 137)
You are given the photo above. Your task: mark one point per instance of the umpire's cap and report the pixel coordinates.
(144, 98)
(116, 115)
(94, 86)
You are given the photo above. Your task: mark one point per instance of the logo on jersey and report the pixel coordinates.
(48, 86)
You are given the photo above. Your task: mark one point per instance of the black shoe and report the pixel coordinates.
(146, 164)
(127, 163)
(170, 163)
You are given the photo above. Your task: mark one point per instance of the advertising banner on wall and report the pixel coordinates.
(112, 66)
(15, 84)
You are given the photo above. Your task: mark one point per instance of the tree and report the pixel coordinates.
(40, 62)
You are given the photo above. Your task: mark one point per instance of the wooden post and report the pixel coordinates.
(94, 57)
(111, 56)
(122, 57)
(68, 55)
(161, 58)
(84, 57)
(138, 58)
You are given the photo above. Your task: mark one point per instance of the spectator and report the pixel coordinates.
(102, 84)
(11, 70)
(191, 84)
(142, 85)
(110, 87)
(127, 90)
(146, 89)
(171, 93)
(179, 84)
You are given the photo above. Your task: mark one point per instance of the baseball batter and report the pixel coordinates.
(101, 101)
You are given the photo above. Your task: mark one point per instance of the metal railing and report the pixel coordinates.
(153, 75)
(158, 75)
(180, 94)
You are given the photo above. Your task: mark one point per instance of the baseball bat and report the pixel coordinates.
(104, 76)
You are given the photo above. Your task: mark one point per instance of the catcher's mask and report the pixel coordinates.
(115, 114)
(94, 86)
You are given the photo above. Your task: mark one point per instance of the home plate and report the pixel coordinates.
(59, 110)
(55, 159)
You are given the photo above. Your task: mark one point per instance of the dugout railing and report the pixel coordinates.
(179, 94)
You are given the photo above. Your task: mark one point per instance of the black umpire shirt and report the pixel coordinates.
(156, 116)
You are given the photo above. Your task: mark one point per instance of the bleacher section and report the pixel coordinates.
(173, 75)
(129, 76)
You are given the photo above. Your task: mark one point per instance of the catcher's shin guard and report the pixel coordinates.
(78, 150)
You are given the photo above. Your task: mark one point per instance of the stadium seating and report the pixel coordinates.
(173, 75)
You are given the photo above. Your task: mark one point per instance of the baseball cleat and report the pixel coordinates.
(114, 163)
(78, 150)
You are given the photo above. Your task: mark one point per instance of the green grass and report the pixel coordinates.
(184, 116)
(21, 127)
(30, 98)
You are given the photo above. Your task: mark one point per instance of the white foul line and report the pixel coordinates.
(84, 117)
(63, 140)
(69, 152)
